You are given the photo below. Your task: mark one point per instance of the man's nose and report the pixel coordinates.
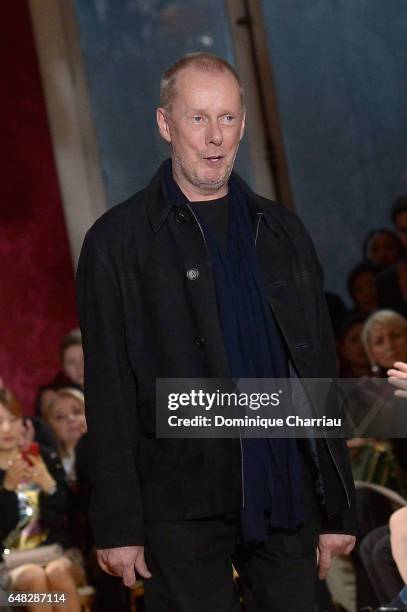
(214, 133)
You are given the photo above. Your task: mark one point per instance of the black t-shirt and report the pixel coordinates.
(215, 214)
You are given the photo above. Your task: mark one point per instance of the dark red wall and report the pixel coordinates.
(37, 305)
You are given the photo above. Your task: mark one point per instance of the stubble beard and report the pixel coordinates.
(194, 179)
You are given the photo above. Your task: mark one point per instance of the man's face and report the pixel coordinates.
(204, 127)
(401, 226)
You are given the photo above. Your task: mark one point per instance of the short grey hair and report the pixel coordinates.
(207, 62)
(381, 318)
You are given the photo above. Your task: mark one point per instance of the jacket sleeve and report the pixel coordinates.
(346, 521)
(110, 398)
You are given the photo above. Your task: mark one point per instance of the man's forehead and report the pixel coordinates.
(192, 81)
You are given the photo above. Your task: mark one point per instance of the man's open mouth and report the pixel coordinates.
(213, 158)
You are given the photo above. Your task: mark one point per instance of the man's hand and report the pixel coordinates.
(398, 378)
(125, 561)
(331, 544)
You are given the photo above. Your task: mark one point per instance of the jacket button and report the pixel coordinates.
(192, 274)
(199, 341)
(180, 217)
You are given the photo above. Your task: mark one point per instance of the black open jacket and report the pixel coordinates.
(143, 317)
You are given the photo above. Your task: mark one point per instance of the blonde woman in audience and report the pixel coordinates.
(66, 415)
(384, 336)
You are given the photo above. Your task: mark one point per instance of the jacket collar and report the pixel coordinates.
(159, 204)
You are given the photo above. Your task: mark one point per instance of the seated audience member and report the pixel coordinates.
(352, 358)
(35, 429)
(382, 248)
(66, 416)
(385, 339)
(392, 577)
(399, 218)
(71, 374)
(378, 460)
(34, 515)
(362, 288)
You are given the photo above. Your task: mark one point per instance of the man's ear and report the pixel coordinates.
(243, 125)
(163, 125)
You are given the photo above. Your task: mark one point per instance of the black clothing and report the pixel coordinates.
(145, 297)
(254, 347)
(192, 570)
(215, 214)
(111, 594)
(375, 552)
(8, 511)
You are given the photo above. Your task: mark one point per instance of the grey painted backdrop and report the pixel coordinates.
(127, 44)
(340, 69)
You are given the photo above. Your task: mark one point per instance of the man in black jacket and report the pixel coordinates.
(198, 277)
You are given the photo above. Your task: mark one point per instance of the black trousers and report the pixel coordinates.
(191, 565)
